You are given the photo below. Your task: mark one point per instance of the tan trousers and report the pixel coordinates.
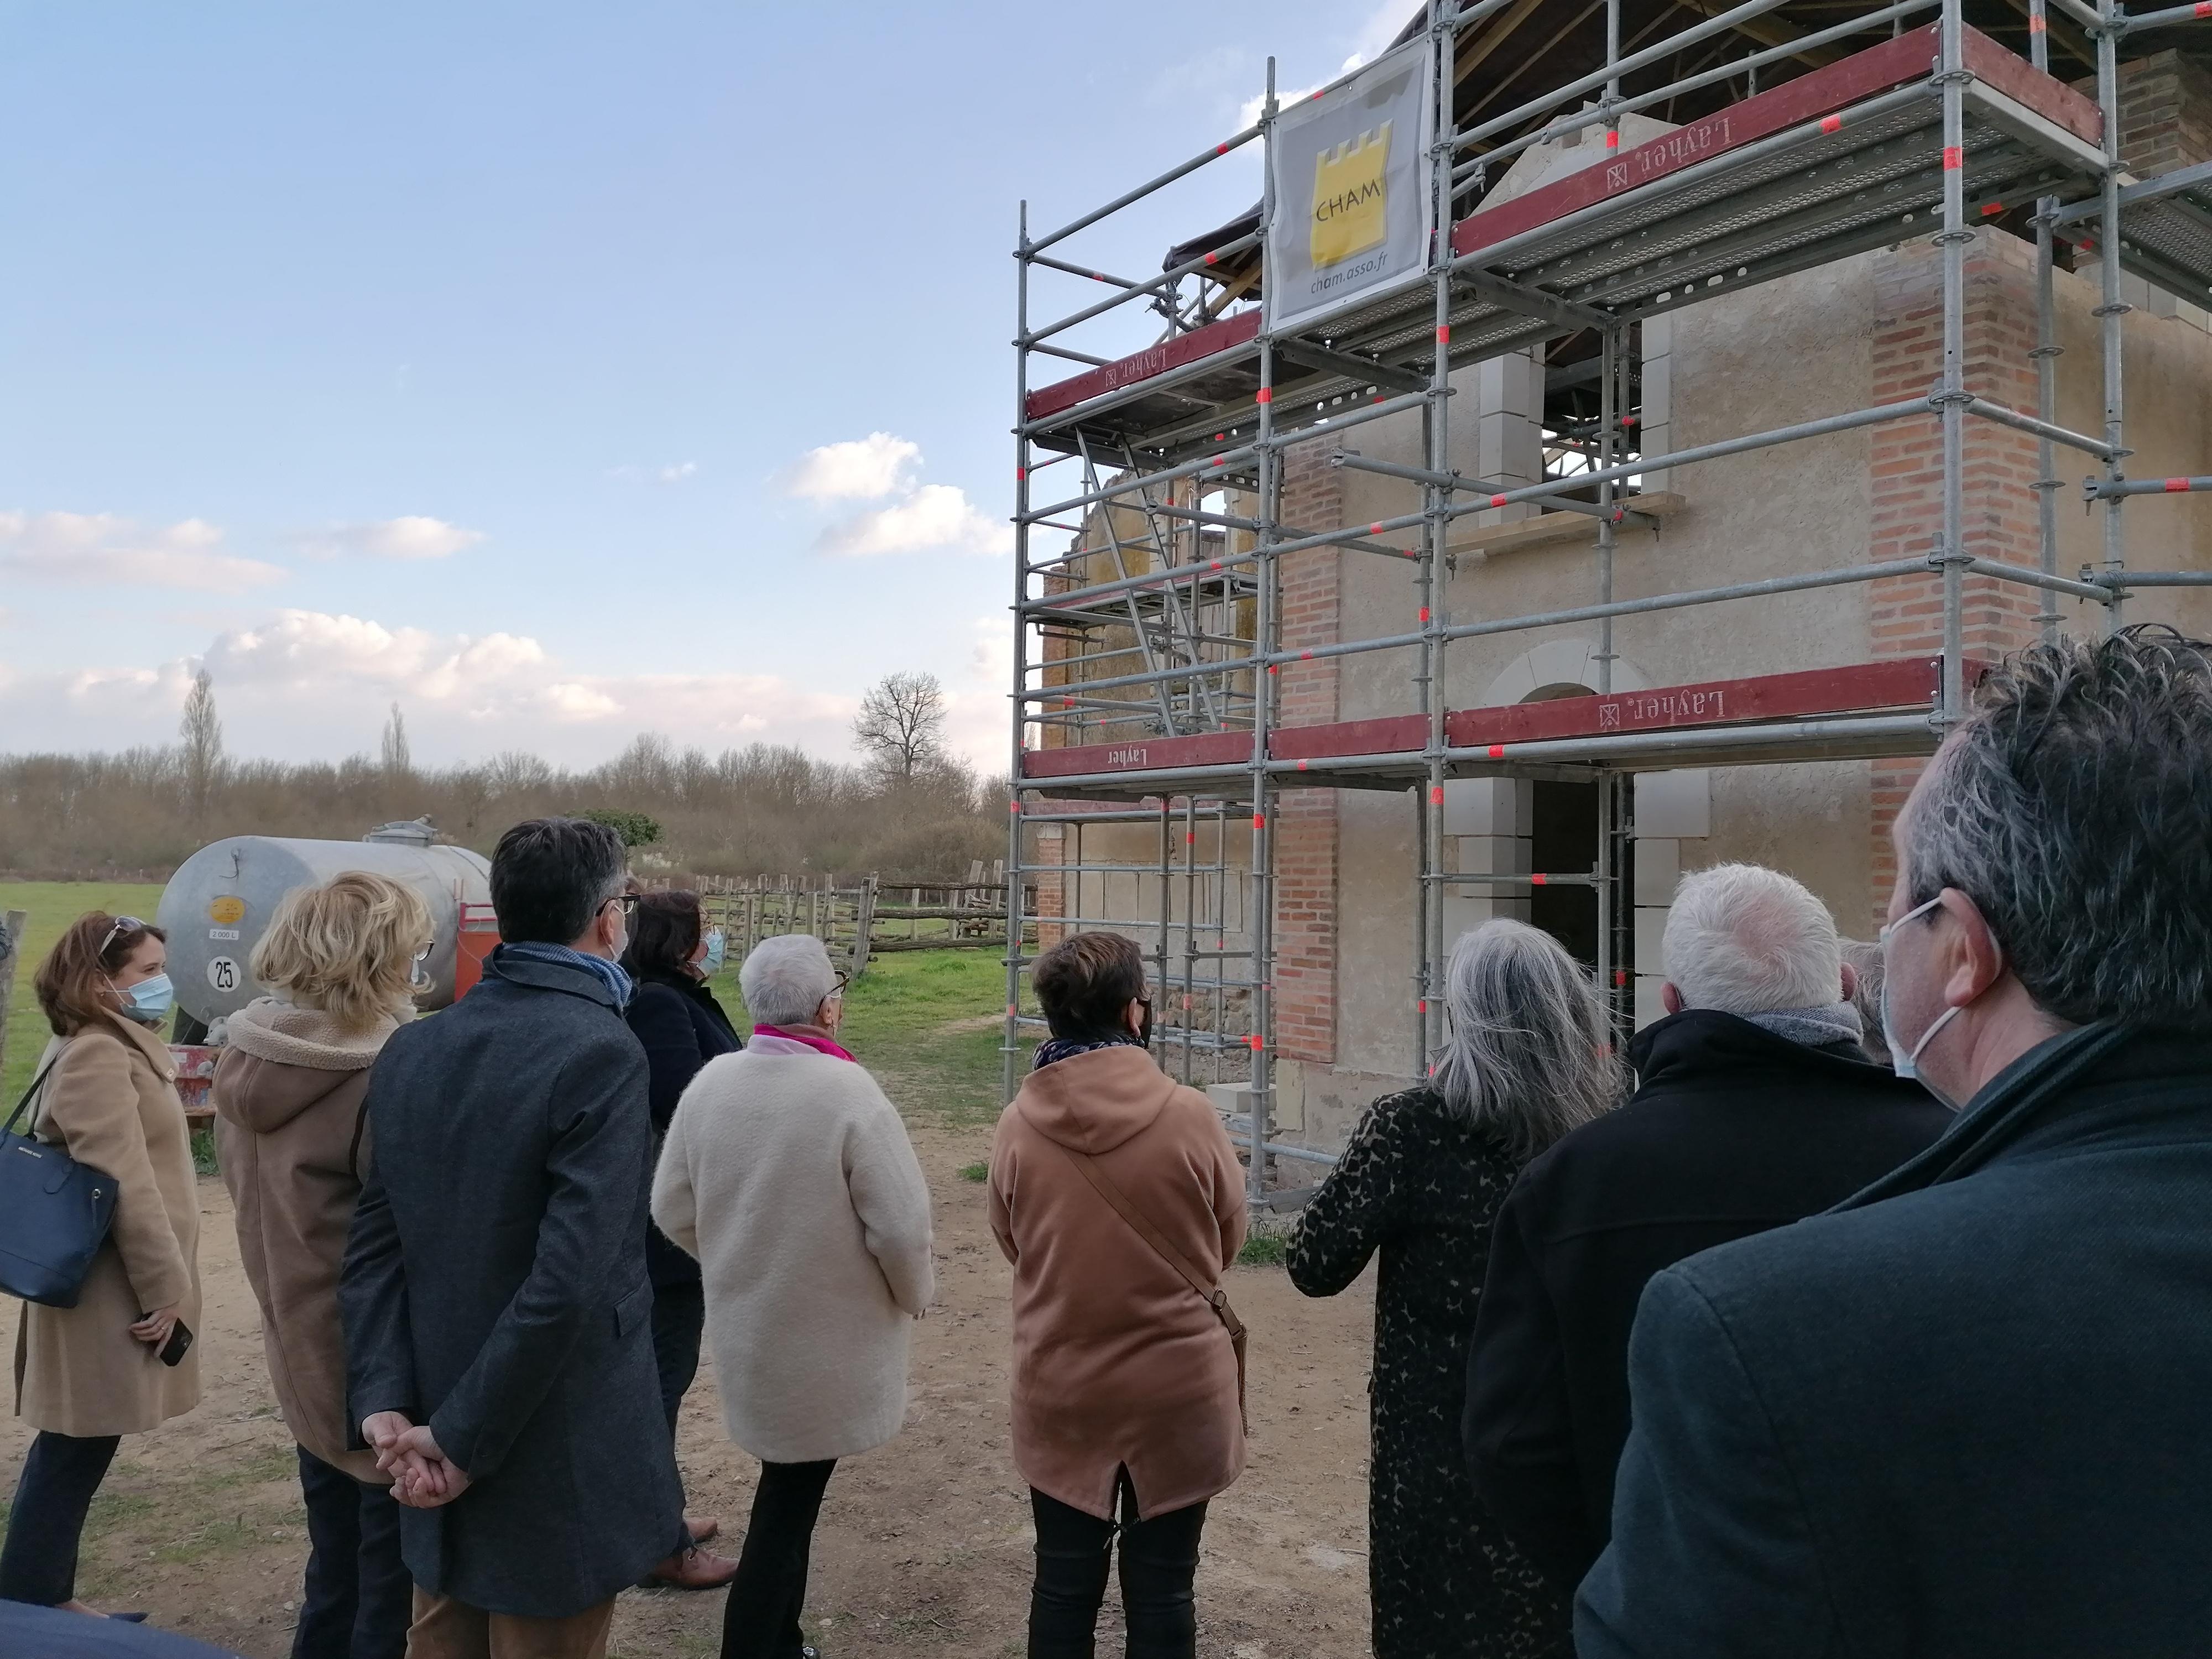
(447, 1629)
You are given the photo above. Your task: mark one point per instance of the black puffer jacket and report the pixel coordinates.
(681, 1027)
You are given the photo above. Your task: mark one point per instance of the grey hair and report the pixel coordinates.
(1745, 939)
(786, 978)
(2070, 806)
(1528, 1048)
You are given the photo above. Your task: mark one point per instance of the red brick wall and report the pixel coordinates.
(1050, 844)
(1906, 496)
(1306, 834)
(2166, 113)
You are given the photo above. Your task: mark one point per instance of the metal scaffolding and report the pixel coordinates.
(1148, 654)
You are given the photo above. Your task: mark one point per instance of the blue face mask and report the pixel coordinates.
(711, 963)
(149, 999)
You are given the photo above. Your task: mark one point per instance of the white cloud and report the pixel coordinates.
(860, 469)
(102, 549)
(935, 515)
(310, 653)
(313, 684)
(992, 661)
(410, 536)
(674, 473)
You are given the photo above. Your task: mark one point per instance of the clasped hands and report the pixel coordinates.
(422, 1476)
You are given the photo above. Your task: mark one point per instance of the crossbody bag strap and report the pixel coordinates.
(37, 1083)
(1212, 1295)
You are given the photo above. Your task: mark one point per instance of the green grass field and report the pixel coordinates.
(923, 1021)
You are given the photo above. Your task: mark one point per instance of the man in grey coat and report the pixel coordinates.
(498, 1315)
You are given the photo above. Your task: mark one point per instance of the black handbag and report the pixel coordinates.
(54, 1214)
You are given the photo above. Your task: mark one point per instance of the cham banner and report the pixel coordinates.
(1352, 214)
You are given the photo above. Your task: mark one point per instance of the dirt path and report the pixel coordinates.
(921, 1544)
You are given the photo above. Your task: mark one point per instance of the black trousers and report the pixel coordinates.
(761, 1618)
(679, 1314)
(46, 1522)
(1159, 1560)
(359, 1598)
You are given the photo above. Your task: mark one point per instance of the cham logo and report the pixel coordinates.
(1351, 199)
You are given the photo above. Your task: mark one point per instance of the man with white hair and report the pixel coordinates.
(1756, 1106)
(1963, 1413)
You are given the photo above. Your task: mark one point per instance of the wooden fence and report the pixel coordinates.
(861, 917)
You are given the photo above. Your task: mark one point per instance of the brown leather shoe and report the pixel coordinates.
(702, 1527)
(694, 1569)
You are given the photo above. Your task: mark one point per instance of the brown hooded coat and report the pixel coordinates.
(292, 1141)
(1118, 1363)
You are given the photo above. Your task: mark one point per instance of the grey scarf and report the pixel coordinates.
(1816, 1027)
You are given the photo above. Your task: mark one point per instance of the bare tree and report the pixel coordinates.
(900, 725)
(202, 732)
(398, 760)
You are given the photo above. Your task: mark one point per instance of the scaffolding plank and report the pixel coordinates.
(1139, 755)
(1900, 683)
(1863, 74)
(1908, 682)
(1152, 361)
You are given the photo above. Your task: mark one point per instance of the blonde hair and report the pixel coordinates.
(346, 947)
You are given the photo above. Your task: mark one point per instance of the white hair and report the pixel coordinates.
(1745, 939)
(786, 978)
(1528, 1048)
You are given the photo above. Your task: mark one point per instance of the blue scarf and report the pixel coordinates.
(610, 974)
(1056, 1048)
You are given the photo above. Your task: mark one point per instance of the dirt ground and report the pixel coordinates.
(923, 1543)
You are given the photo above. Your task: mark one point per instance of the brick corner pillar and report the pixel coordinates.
(1052, 895)
(1306, 832)
(1905, 613)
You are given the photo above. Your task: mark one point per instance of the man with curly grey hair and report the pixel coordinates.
(1964, 1412)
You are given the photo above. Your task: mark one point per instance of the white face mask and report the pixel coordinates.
(1908, 1059)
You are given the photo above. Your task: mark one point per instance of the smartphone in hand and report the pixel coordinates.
(179, 1345)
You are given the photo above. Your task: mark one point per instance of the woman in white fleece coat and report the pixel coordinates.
(790, 1177)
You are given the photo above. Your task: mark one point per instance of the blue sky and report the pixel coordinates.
(560, 371)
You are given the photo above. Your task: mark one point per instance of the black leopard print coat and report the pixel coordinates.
(1423, 1188)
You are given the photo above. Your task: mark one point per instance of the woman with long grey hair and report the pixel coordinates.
(1526, 1057)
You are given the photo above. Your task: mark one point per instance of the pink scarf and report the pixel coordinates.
(819, 1044)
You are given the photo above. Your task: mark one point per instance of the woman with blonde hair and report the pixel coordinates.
(1527, 1055)
(121, 1360)
(340, 962)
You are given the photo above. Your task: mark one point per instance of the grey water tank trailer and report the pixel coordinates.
(217, 906)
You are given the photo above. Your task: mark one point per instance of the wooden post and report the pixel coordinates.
(10, 950)
(864, 926)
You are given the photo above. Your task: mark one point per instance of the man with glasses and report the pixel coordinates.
(497, 1311)
(1963, 1413)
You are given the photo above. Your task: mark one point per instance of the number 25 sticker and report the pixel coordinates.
(223, 975)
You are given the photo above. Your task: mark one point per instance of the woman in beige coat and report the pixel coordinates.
(1125, 1389)
(106, 1093)
(790, 1177)
(338, 960)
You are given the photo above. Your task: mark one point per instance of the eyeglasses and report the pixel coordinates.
(423, 955)
(843, 980)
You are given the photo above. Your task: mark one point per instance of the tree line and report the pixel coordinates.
(909, 809)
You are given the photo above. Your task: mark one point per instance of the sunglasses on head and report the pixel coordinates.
(123, 925)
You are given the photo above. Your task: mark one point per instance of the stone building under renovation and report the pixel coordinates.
(1754, 377)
